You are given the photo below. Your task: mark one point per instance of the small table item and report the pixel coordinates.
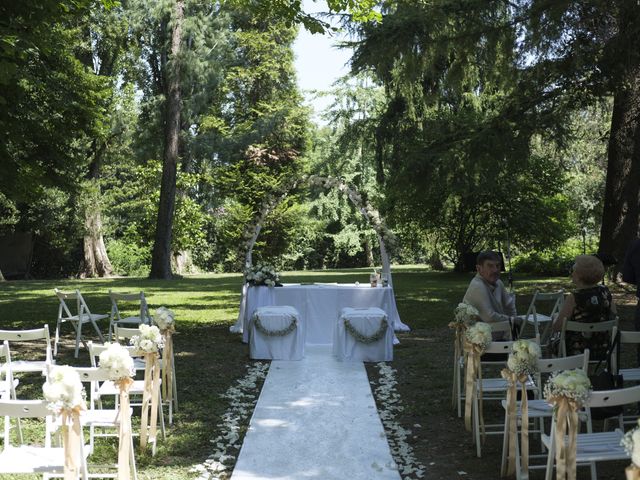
(363, 334)
(276, 333)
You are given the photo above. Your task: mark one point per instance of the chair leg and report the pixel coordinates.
(476, 425)
(56, 339)
(175, 385)
(78, 336)
(550, 460)
(505, 435)
(95, 327)
(132, 460)
(459, 387)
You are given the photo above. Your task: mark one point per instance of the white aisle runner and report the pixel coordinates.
(315, 419)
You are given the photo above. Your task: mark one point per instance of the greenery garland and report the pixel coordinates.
(275, 333)
(359, 337)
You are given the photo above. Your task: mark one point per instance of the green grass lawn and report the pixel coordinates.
(209, 358)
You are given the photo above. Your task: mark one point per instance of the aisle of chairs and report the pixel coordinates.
(30, 355)
(603, 417)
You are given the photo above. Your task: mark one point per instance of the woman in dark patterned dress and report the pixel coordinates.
(590, 303)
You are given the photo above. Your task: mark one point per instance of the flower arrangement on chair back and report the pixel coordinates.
(65, 394)
(149, 342)
(118, 362)
(631, 443)
(522, 362)
(262, 275)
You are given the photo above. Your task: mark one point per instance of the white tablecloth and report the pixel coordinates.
(319, 306)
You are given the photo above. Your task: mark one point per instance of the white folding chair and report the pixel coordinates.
(600, 446)
(496, 327)
(122, 335)
(538, 408)
(34, 458)
(33, 335)
(549, 302)
(108, 389)
(627, 337)
(99, 419)
(8, 384)
(492, 389)
(585, 328)
(142, 310)
(83, 315)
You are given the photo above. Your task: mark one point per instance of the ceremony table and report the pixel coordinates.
(319, 306)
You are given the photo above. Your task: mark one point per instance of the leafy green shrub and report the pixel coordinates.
(128, 258)
(551, 262)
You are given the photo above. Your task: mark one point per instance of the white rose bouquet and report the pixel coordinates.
(572, 384)
(631, 443)
(479, 335)
(262, 275)
(117, 360)
(149, 341)
(524, 356)
(164, 319)
(63, 389)
(465, 314)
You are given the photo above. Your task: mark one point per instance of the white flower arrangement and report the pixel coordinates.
(465, 314)
(63, 389)
(262, 275)
(164, 319)
(524, 356)
(631, 444)
(573, 384)
(149, 341)
(479, 334)
(117, 360)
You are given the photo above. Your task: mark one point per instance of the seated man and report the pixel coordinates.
(487, 293)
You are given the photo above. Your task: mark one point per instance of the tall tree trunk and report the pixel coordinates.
(161, 259)
(96, 260)
(622, 191)
(1, 277)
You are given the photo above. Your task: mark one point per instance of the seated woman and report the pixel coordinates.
(589, 303)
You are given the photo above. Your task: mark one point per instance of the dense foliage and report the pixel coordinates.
(468, 124)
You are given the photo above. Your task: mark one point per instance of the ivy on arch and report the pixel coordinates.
(386, 238)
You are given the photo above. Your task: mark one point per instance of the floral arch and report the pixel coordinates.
(386, 238)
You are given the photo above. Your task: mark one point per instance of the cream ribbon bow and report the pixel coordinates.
(124, 433)
(512, 427)
(566, 414)
(473, 372)
(71, 438)
(459, 328)
(150, 400)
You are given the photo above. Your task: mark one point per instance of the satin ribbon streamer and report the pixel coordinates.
(124, 434)
(512, 425)
(71, 438)
(473, 372)
(150, 400)
(632, 472)
(457, 352)
(566, 414)
(167, 365)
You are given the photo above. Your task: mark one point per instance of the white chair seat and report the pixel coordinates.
(33, 459)
(541, 318)
(596, 446)
(29, 366)
(366, 321)
(276, 347)
(630, 374)
(491, 385)
(536, 408)
(110, 388)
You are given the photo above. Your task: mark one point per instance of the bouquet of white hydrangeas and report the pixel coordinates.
(262, 275)
(117, 360)
(631, 443)
(479, 334)
(465, 314)
(164, 318)
(149, 341)
(572, 384)
(63, 389)
(524, 356)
